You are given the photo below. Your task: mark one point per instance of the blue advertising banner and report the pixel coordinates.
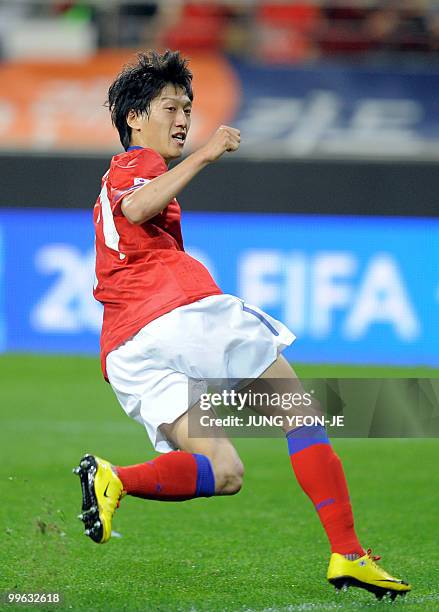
(353, 290)
(337, 110)
(2, 308)
(48, 262)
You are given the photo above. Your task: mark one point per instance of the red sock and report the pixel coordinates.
(175, 476)
(320, 474)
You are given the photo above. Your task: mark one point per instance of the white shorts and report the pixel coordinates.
(218, 337)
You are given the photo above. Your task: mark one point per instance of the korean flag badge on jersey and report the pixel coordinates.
(140, 181)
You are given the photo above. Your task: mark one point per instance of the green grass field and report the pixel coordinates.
(263, 549)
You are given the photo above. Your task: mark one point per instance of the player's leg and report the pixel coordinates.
(205, 466)
(216, 446)
(320, 473)
(147, 375)
(202, 467)
(317, 467)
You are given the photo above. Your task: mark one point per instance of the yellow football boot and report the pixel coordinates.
(101, 492)
(365, 574)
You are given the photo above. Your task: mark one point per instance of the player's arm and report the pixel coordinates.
(150, 199)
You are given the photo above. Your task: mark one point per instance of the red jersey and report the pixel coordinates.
(142, 271)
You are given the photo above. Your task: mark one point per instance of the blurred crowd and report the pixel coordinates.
(277, 31)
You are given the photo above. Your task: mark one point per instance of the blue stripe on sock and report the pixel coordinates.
(325, 502)
(205, 477)
(305, 436)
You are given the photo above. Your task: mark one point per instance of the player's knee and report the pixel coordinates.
(229, 477)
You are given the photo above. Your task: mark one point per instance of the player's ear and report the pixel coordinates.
(134, 120)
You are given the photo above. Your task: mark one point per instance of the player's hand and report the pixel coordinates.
(225, 139)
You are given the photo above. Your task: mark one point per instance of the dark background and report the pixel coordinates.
(297, 186)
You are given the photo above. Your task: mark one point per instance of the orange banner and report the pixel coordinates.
(46, 106)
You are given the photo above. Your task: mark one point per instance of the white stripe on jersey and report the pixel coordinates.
(96, 281)
(111, 236)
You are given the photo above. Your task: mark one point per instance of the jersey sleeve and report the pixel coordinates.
(127, 175)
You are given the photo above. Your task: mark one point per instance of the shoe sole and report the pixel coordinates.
(344, 582)
(90, 509)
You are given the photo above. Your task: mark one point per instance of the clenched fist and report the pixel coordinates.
(225, 139)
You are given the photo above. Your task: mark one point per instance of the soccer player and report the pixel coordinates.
(166, 320)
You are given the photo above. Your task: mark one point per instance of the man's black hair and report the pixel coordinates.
(137, 85)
